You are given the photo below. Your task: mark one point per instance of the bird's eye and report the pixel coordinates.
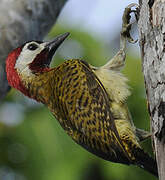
(32, 46)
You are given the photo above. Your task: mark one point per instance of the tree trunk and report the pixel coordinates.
(151, 26)
(21, 21)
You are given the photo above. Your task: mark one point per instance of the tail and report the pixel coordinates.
(144, 161)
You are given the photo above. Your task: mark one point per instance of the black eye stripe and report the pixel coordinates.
(32, 46)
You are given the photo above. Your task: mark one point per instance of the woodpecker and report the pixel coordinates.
(89, 102)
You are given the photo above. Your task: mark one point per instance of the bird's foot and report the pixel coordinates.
(126, 25)
(118, 61)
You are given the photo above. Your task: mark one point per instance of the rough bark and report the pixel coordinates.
(21, 21)
(151, 25)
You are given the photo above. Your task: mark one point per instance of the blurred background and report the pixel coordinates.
(32, 144)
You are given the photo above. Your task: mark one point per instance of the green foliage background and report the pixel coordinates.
(38, 148)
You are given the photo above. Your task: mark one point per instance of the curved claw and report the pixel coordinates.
(133, 5)
(131, 40)
(126, 26)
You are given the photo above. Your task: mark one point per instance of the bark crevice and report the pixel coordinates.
(151, 25)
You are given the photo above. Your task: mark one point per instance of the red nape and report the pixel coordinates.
(12, 75)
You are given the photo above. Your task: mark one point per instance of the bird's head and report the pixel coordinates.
(30, 58)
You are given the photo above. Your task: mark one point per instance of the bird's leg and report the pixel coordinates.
(119, 59)
(142, 134)
(117, 62)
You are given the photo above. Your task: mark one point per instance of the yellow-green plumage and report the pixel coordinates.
(77, 98)
(75, 94)
(89, 102)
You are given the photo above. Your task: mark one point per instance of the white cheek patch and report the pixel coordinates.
(27, 56)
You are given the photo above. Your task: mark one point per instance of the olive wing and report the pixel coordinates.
(85, 106)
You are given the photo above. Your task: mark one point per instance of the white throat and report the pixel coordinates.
(26, 57)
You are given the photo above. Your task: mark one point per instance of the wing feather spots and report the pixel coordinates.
(83, 108)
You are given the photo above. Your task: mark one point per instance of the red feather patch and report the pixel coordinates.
(12, 74)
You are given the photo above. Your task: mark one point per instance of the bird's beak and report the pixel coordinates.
(53, 45)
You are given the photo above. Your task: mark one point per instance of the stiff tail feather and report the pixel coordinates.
(144, 161)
